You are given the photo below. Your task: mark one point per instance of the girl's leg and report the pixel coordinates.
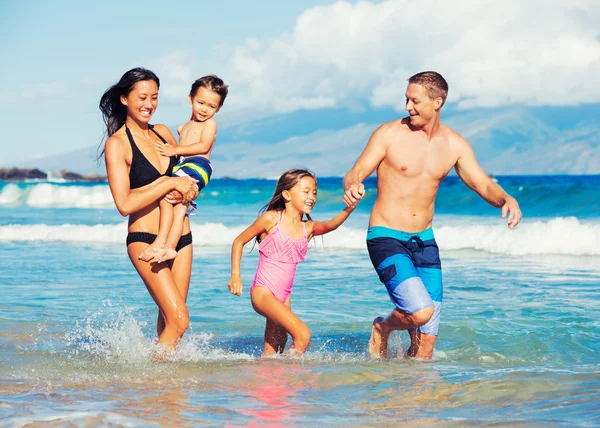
(162, 287)
(167, 251)
(166, 220)
(275, 335)
(269, 307)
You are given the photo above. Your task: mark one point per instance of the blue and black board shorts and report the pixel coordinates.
(198, 168)
(409, 266)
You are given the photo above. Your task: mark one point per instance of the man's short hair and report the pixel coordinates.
(433, 83)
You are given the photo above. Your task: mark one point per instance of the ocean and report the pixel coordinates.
(518, 343)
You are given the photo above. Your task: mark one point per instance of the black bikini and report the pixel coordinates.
(141, 173)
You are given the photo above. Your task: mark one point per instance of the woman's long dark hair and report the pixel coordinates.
(288, 180)
(113, 111)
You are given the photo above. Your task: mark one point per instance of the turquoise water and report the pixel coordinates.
(518, 343)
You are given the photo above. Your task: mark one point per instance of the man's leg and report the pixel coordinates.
(421, 344)
(397, 320)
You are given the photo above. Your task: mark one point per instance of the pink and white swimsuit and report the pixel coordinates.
(277, 262)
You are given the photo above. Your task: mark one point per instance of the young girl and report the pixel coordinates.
(283, 238)
(196, 140)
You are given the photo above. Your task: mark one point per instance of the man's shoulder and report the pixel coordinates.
(393, 128)
(452, 135)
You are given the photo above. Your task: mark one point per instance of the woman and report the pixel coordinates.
(139, 177)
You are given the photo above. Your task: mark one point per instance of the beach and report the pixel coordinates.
(517, 346)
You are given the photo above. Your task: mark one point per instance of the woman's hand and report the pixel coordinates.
(187, 187)
(235, 285)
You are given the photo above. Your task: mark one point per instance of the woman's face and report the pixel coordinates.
(142, 101)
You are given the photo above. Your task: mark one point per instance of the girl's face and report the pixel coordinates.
(142, 101)
(303, 196)
(204, 104)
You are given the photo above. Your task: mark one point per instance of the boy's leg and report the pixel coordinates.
(166, 219)
(168, 250)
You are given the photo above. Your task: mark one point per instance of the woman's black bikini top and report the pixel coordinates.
(142, 172)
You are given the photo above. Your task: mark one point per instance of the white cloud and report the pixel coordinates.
(492, 53)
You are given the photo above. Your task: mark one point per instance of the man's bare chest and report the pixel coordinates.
(411, 161)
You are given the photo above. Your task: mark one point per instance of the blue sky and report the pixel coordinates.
(346, 60)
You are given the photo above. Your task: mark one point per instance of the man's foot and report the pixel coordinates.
(148, 254)
(163, 254)
(378, 342)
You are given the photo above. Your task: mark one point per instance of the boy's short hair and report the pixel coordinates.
(213, 83)
(433, 83)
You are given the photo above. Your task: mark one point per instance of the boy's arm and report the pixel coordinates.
(260, 225)
(323, 227)
(202, 147)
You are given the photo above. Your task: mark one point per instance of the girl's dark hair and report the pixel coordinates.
(213, 83)
(113, 111)
(288, 180)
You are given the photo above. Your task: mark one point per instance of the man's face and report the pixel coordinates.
(421, 108)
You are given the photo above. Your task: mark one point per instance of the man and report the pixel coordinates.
(412, 157)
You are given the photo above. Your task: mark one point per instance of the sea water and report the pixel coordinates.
(518, 343)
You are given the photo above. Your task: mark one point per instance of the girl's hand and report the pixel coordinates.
(235, 285)
(164, 149)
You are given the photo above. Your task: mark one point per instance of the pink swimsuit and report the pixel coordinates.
(279, 256)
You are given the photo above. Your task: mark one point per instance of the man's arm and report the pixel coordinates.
(366, 163)
(471, 173)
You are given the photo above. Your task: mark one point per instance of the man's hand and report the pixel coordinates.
(164, 149)
(511, 207)
(353, 194)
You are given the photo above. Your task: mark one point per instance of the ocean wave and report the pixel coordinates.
(46, 195)
(562, 236)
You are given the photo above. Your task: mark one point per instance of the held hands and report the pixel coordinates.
(353, 194)
(164, 149)
(235, 285)
(511, 206)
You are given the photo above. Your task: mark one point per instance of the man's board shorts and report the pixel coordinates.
(198, 168)
(409, 266)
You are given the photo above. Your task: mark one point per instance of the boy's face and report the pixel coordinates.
(204, 104)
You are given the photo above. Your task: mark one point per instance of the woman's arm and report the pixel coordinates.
(130, 201)
(260, 225)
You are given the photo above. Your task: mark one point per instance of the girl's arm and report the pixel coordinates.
(130, 201)
(323, 227)
(202, 147)
(260, 225)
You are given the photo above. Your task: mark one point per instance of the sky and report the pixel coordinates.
(346, 59)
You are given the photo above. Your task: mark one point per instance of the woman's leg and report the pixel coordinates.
(162, 287)
(181, 269)
(267, 305)
(275, 335)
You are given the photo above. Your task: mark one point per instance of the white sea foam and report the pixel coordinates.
(50, 195)
(563, 236)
